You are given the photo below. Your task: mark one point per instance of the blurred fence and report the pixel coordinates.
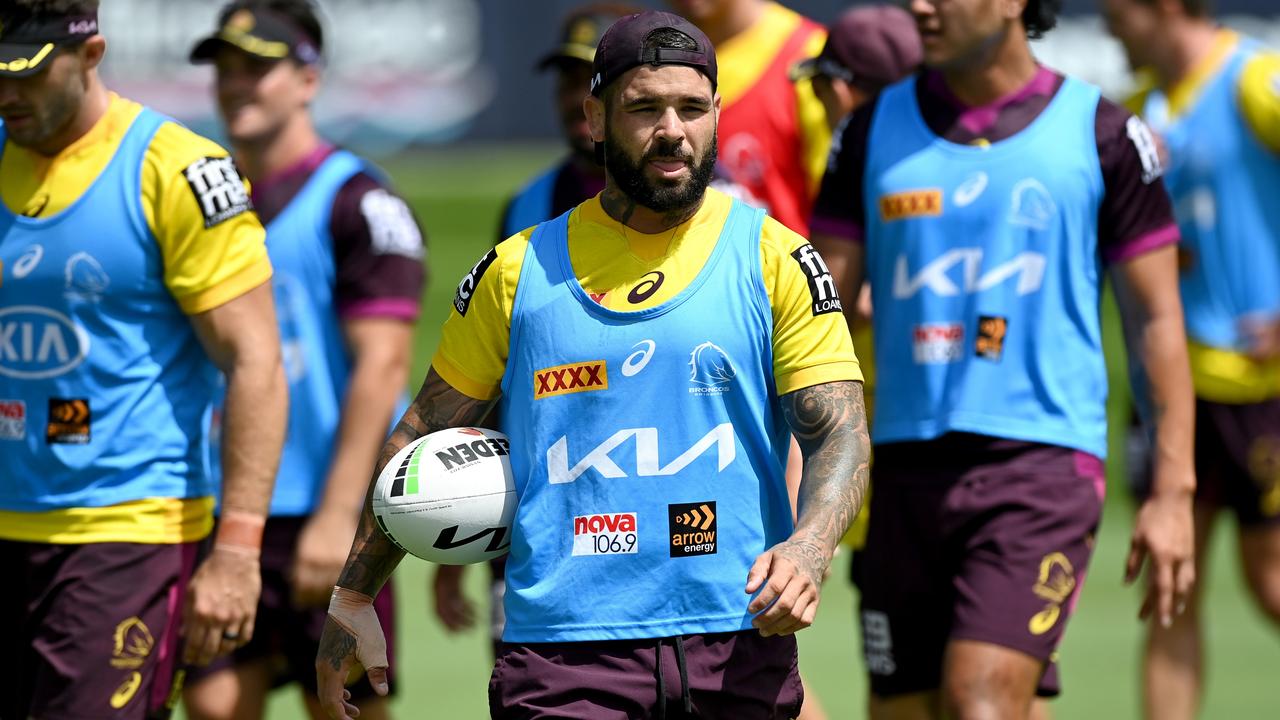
(402, 72)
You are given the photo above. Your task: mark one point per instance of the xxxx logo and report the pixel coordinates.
(701, 517)
(571, 378)
(913, 203)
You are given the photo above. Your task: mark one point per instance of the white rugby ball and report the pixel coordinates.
(449, 497)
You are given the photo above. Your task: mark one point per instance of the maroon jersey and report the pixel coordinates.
(377, 241)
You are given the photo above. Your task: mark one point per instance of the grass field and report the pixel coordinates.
(457, 195)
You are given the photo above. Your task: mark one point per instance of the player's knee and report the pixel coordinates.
(985, 693)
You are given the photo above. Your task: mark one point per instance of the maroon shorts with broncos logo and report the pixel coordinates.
(91, 631)
(972, 538)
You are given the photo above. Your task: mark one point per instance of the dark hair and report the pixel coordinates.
(669, 38)
(663, 37)
(1193, 8)
(58, 7)
(1040, 16)
(302, 13)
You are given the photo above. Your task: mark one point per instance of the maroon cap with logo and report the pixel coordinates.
(623, 47)
(29, 38)
(870, 47)
(260, 33)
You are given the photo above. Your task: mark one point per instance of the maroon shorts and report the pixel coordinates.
(722, 676)
(290, 635)
(91, 631)
(972, 538)
(1238, 459)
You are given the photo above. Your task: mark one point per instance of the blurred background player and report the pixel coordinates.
(867, 49)
(647, 270)
(130, 266)
(773, 132)
(982, 199)
(576, 178)
(1213, 98)
(348, 259)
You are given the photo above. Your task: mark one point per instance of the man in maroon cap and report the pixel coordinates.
(868, 48)
(654, 570)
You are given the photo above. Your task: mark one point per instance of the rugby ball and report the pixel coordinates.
(449, 497)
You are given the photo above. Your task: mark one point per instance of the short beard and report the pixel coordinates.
(55, 117)
(659, 197)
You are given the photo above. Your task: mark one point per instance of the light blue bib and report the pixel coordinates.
(532, 204)
(985, 277)
(1225, 186)
(647, 447)
(316, 363)
(104, 390)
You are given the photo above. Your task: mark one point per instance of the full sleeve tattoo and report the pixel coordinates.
(829, 422)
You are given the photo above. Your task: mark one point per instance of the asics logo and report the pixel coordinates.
(639, 359)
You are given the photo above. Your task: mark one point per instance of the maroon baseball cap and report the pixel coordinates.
(29, 38)
(871, 47)
(258, 32)
(623, 48)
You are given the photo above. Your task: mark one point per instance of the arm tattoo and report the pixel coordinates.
(829, 422)
(438, 406)
(335, 645)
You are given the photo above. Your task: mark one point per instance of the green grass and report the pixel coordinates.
(458, 194)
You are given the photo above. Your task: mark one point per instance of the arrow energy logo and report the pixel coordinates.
(693, 528)
(69, 421)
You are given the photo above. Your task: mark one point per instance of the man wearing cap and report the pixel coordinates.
(654, 567)
(578, 176)
(773, 132)
(130, 268)
(348, 266)
(984, 199)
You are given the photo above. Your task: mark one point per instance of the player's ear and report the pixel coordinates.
(1013, 9)
(594, 109)
(310, 81)
(92, 52)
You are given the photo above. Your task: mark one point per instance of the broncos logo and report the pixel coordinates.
(710, 366)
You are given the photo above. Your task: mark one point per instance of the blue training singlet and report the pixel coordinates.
(533, 204)
(647, 446)
(113, 387)
(316, 363)
(985, 276)
(1225, 184)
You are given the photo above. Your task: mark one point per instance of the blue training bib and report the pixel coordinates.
(314, 352)
(1223, 182)
(648, 448)
(104, 388)
(985, 276)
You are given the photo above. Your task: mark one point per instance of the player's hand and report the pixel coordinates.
(454, 609)
(788, 577)
(351, 634)
(1164, 533)
(321, 553)
(221, 604)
